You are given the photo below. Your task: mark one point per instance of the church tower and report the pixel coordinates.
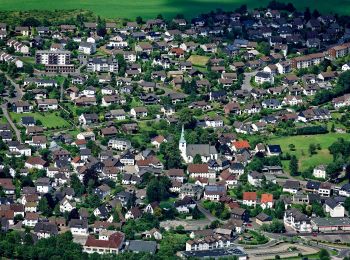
(182, 144)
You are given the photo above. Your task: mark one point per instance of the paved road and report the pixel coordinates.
(9, 120)
(17, 97)
(19, 92)
(206, 213)
(246, 82)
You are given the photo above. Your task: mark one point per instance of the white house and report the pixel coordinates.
(255, 178)
(263, 77)
(78, 227)
(320, 171)
(335, 209)
(345, 67)
(66, 206)
(249, 199)
(119, 144)
(214, 192)
(266, 201)
(297, 220)
(138, 112)
(87, 48)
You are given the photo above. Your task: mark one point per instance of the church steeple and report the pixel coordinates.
(182, 144)
(182, 138)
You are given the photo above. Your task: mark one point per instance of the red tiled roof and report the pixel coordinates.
(6, 183)
(266, 197)
(76, 159)
(241, 144)
(80, 142)
(36, 161)
(176, 172)
(159, 139)
(249, 195)
(114, 241)
(197, 168)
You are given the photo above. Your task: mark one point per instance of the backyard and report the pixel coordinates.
(198, 60)
(48, 119)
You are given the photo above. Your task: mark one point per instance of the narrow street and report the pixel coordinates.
(206, 213)
(4, 107)
(12, 124)
(246, 82)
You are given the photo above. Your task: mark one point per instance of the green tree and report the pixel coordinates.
(28, 68)
(347, 204)
(293, 166)
(44, 206)
(197, 159)
(76, 184)
(318, 209)
(324, 254)
(158, 189)
(312, 149)
(264, 48)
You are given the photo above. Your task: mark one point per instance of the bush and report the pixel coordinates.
(311, 130)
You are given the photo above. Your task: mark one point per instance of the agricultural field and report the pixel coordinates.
(49, 120)
(168, 8)
(302, 143)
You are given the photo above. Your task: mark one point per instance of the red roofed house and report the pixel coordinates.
(177, 52)
(104, 244)
(7, 186)
(239, 145)
(200, 170)
(35, 162)
(249, 198)
(176, 174)
(266, 201)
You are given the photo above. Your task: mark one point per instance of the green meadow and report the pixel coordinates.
(168, 8)
(302, 143)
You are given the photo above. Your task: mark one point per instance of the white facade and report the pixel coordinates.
(336, 212)
(319, 172)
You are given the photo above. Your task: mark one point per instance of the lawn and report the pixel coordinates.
(28, 60)
(302, 143)
(49, 119)
(198, 60)
(168, 8)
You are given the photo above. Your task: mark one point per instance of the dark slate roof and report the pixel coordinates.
(142, 246)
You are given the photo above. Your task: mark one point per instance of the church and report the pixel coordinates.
(188, 152)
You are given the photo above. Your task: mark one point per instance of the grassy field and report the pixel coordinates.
(168, 8)
(302, 148)
(198, 60)
(48, 119)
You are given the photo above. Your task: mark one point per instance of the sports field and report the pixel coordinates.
(168, 8)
